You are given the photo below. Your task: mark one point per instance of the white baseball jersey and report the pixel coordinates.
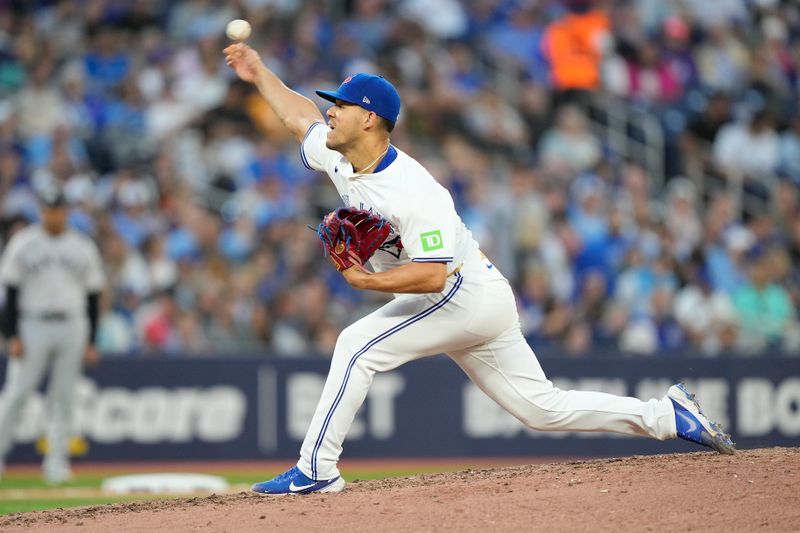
(425, 225)
(52, 273)
(474, 320)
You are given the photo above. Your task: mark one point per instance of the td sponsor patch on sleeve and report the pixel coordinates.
(431, 240)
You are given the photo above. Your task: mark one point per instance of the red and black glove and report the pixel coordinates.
(348, 232)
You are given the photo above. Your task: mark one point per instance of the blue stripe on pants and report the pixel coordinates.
(419, 316)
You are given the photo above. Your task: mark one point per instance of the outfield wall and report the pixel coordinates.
(225, 408)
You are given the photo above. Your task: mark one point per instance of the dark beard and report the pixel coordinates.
(340, 147)
(335, 147)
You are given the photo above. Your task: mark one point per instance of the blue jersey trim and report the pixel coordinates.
(419, 316)
(432, 260)
(303, 158)
(388, 159)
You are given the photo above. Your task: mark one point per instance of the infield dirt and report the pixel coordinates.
(752, 490)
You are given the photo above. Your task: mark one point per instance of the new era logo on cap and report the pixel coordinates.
(369, 91)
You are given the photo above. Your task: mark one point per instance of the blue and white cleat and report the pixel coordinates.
(693, 425)
(293, 481)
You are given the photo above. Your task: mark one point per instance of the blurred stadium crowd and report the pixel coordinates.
(199, 201)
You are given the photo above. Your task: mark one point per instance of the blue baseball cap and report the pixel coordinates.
(369, 91)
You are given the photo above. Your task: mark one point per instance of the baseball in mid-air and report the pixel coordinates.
(238, 30)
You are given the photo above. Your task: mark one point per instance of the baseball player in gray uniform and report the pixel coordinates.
(449, 298)
(53, 276)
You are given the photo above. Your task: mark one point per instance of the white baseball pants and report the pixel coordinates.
(59, 344)
(474, 320)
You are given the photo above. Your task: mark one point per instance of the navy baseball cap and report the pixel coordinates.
(369, 91)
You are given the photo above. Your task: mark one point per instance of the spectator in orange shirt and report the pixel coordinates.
(575, 46)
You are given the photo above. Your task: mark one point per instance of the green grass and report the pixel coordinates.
(20, 502)
(41, 504)
(37, 498)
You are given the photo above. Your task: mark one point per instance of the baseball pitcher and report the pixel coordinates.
(449, 298)
(53, 276)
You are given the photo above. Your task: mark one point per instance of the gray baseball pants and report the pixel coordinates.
(59, 345)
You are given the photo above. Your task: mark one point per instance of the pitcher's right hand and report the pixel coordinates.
(244, 61)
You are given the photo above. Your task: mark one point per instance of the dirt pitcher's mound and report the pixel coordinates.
(681, 492)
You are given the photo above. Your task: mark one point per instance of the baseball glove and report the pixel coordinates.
(348, 233)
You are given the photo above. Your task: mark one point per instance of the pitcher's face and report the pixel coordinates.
(347, 123)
